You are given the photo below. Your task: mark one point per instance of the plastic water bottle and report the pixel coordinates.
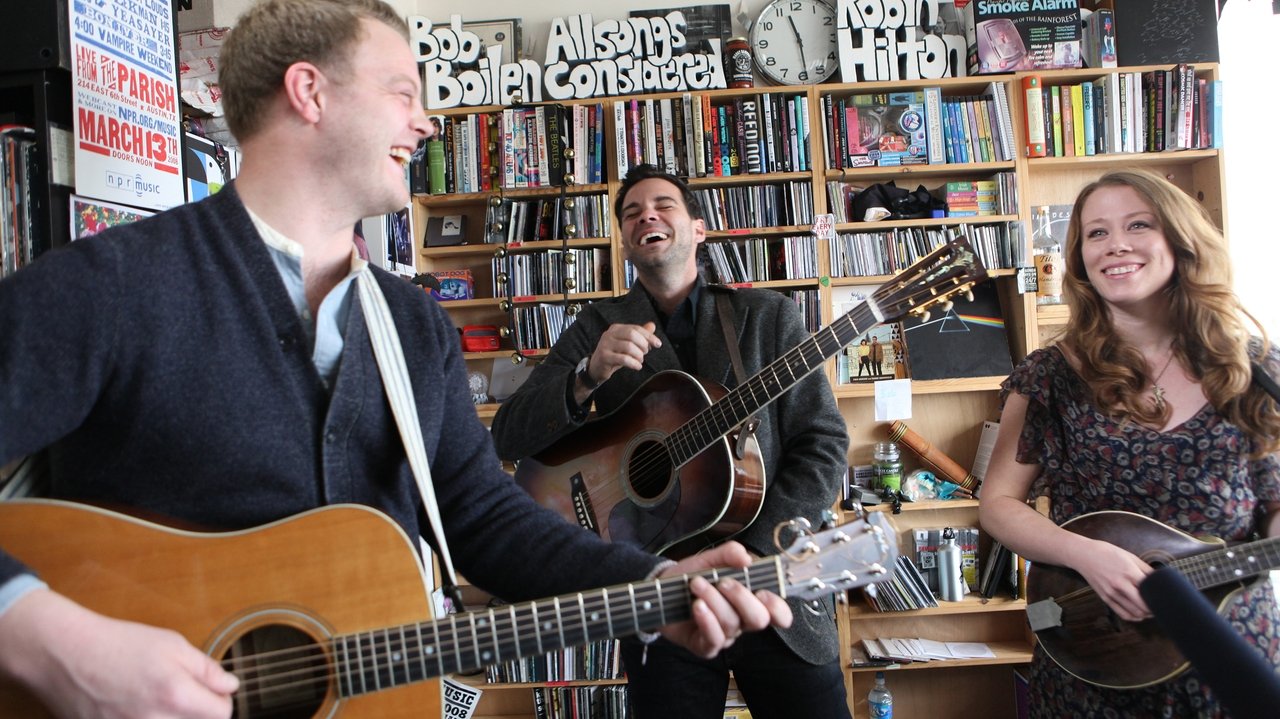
(880, 700)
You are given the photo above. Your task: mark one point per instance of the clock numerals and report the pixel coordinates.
(800, 49)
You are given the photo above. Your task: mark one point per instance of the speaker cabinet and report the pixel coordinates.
(33, 36)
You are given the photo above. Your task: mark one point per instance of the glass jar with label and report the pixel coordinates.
(738, 63)
(887, 464)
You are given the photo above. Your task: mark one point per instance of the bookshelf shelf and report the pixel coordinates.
(923, 222)
(949, 412)
(744, 233)
(955, 168)
(1113, 160)
(933, 386)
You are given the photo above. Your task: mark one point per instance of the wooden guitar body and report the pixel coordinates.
(1094, 644)
(233, 593)
(667, 470)
(615, 477)
(321, 615)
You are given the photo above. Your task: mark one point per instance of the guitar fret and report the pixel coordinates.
(608, 611)
(582, 614)
(436, 649)
(457, 642)
(635, 613)
(364, 684)
(537, 629)
(422, 653)
(555, 602)
(345, 671)
(662, 612)
(493, 632)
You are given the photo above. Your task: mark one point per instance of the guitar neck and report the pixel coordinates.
(1231, 564)
(386, 658)
(705, 428)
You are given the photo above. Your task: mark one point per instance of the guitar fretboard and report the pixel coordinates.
(1231, 564)
(386, 658)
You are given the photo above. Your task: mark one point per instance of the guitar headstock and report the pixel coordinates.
(851, 555)
(949, 270)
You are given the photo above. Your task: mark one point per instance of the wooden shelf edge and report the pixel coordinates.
(931, 386)
(971, 604)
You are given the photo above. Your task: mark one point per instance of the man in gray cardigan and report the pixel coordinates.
(669, 321)
(212, 364)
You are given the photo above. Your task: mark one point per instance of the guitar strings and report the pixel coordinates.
(654, 462)
(261, 673)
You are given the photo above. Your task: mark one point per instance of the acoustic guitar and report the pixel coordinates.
(667, 471)
(327, 613)
(1084, 637)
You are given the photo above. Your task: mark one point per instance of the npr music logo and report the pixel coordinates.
(134, 184)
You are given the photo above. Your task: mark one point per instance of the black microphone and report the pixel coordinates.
(1238, 674)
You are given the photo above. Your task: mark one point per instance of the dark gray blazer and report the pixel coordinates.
(802, 435)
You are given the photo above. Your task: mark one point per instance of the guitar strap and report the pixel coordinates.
(395, 380)
(725, 310)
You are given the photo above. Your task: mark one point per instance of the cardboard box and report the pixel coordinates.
(1013, 35)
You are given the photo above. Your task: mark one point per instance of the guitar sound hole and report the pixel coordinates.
(284, 674)
(649, 470)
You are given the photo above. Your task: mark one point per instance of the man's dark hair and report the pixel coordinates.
(650, 172)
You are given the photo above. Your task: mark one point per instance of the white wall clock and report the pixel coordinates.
(794, 42)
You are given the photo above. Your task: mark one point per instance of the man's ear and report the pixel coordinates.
(699, 231)
(304, 84)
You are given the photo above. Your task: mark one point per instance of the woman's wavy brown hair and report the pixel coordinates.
(1211, 339)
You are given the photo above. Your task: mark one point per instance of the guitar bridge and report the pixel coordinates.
(583, 511)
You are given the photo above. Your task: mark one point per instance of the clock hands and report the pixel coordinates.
(799, 41)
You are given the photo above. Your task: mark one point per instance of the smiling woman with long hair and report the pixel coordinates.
(1144, 405)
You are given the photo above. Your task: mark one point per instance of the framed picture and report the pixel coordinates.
(89, 216)
(504, 32)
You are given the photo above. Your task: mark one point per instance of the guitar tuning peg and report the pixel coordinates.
(517, 359)
(505, 305)
(827, 520)
(968, 292)
(570, 283)
(500, 252)
(924, 316)
(569, 258)
(946, 306)
(504, 331)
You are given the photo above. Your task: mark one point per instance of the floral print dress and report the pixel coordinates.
(1196, 477)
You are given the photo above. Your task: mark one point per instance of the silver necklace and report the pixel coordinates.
(1156, 390)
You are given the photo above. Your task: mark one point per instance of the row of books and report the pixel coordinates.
(917, 127)
(548, 272)
(810, 305)
(591, 662)
(19, 234)
(690, 136)
(746, 207)
(590, 702)
(538, 326)
(904, 592)
(885, 252)
(997, 195)
(512, 148)
(1151, 111)
(548, 218)
(760, 260)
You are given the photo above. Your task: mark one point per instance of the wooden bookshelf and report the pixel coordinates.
(949, 413)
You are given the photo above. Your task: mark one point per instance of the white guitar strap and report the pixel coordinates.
(395, 379)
